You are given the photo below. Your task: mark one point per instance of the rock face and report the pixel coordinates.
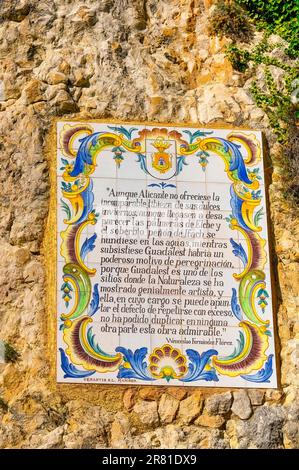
(168, 407)
(131, 60)
(262, 431)
(190, 408)
(219, 404)
(241, 405)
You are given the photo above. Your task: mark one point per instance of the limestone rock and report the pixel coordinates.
(150, 393)
(190, 408)
(32, 92)
(291, 435)
(33, 271)
(147, 412)
(210, 421)
(87, 426)
(129, 399)
(174, 436)
(241, 405)
(177, 392)
(80, 79)
(120, 431)
(84, 16)
(167, 409)
(64, 103)
(51, 440)
(14, 10)
(256, 396)
(264, 430)
(2, 91)
(219, 403)
(275, 396)
(55, 77)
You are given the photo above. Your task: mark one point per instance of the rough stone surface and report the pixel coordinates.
(256, 396)
(241, 405)
(147, 412)
(190, 408)
(219, 404)
(210, 421)
(131, 60)
(120, 431)
(175, 436)
(264, 430)
(129, 399)
(150, 394)
(168, 407)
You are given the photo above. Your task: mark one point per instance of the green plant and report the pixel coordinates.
(275, 101)
(228, 19)
(276, 16)
(238, 58)
(10, 355)
(277, 105)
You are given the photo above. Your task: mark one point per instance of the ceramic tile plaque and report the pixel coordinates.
(163, 273)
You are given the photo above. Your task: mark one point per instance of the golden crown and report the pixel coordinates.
(161, 144)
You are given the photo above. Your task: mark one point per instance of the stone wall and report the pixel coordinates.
(134, 60)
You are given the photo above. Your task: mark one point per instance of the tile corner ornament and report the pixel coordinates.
(163, 272)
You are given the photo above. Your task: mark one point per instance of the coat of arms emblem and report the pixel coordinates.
(161, 160)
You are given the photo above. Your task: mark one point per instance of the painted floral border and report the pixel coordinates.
(249, 359)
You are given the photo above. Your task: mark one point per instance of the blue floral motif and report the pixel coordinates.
(162, 185)
(236, 204)
(71, 371)
(256, 194)
(239, 251)
(67, 290)
(197, 364)
(235, 306)
(196, 134)
(262, 295)
(237, 162)
(262, 375)
(95, 302)
(142, 161)
(203, 159)
(88, 198)
(66, 187)
(83, 155)
(65, 163)
(135, 367)
(126, 132)
(181, 161)
(88, 246)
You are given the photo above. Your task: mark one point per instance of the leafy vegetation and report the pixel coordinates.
(234, 19)
(229, 19)
(276, 16)
(273, 100)
(238, 58)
